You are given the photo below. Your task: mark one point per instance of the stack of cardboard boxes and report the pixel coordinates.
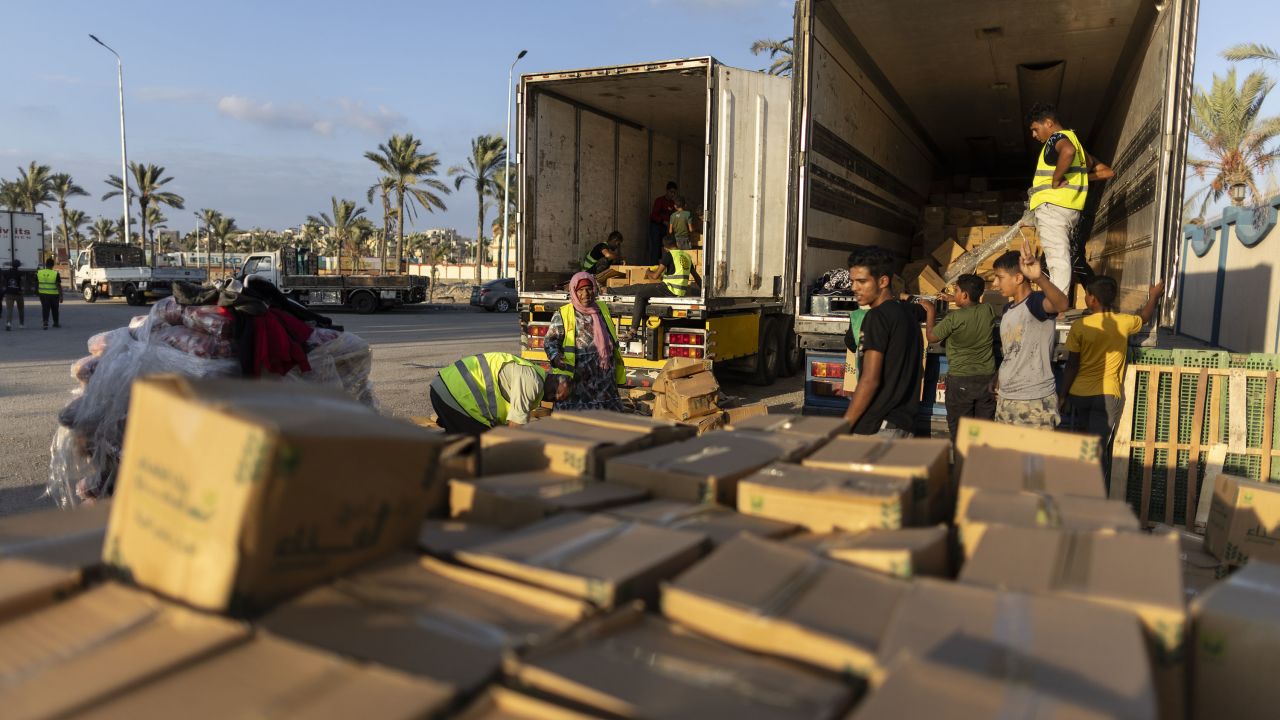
(596, 564)
(687, 392)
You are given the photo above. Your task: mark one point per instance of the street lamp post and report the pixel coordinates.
(506, 174)
(124, 153)
(208, 253)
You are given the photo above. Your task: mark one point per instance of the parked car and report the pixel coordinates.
(495, 295)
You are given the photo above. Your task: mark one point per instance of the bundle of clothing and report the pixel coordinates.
(229, 330)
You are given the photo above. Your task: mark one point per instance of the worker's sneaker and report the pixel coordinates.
(46, 327)
(57, 325)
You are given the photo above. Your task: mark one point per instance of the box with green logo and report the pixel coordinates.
(1244, 521)
(234, 494)
(823, 500)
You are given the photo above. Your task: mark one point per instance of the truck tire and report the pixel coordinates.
(136, 298)
(363, 303)
(90, 293)
(769, 354)
(792, 356)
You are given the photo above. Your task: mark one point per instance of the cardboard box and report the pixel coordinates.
(1132, 572)
(554, 445)
(934, 216)
(812, 425)
(743, 413)
(660, 431)
(718, 523)
(633, 665)
(26, 585)
(1237, 631)
(918, 688)
(269, 677)
(598, 558)
(1072, 446)
(971, 238)
(960, 216)
(1049, 644)
(678, 367)
(991, 469)
(797, 446)
(928, 282)
(442, 538)
(426, 617)
(1030, 509)
(235, 494)
(1244, 521)
(947, 253)
(924, 462)
(1200, 569)
(706, 423)
(69, 656)
(823, 500)
(69, 539)
(704, 469)
(499, 703)
(904, 553)
(518, 499)
(690, 397)
(771, 598)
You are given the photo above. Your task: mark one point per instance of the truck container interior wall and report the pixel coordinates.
(598, 150)
(901, 93)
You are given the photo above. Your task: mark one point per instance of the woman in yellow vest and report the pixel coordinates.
(583, 340)
(49, 287)
(1059, 189)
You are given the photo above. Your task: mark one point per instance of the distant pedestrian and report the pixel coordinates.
(681, 224)
(11, 280)
(1026, 390)
(49, 287)
(968, 333)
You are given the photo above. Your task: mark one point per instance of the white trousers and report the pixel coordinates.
(1055, 225)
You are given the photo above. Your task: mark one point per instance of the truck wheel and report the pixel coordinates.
(792, 356)
(769, 354)
(134, 298)
(90, 294)
(503, 305)
(363, 303)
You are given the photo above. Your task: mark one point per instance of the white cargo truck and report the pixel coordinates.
(22, 241)
(107, 270)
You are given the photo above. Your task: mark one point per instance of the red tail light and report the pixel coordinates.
(688, 352)
(536, 342)
(827, 369)
(678, 338)
(537, 330)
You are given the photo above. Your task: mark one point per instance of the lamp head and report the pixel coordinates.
(522, 54)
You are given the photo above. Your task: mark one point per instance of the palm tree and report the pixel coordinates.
(384, 189)
(34, 187)
(222, 228)
(481, 170)
(435, 253)
(147, 183)
(342, 221)
(401, 159)
(72, 221)
(103, 229)
(10, 195)
(153, 219)
(781, 53)
(1250, 51)
(1238, 142)
(63, 189)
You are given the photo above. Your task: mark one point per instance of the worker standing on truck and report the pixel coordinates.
(1059, 189)
(679, 277)
(604, 255)
(660, 219)
(491, 389)
(887, 396)
(582, 340)
(49, 287)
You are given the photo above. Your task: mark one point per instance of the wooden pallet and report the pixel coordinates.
(1206, 398)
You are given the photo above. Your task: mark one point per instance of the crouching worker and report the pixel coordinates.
(583, 340)
(491, 389)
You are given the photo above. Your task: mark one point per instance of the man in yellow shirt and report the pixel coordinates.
(1098, 347)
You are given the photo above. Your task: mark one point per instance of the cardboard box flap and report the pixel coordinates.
(564, 491)
(270, 677)
(866, 454)
(1125, 568)
(636, 665)
(26, 585)
(1083, 513)
(826, 427)
(428, 618)
(911, 539)
(555, 425)
(69, 539)
(1069, 446)
(822, 481)
(663, 431)
(1244, 521)
(1022, 509)
(442, 537)
(989, 468)
(70, 655)
(499, 703)
(714, 455)
(679, 367)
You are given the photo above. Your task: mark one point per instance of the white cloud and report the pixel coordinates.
(351, 114)
(379, 121)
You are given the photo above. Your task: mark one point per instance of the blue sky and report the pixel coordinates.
(263, 110)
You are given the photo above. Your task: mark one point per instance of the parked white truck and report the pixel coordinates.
(107, 270)
(295, 271)
(22, 241)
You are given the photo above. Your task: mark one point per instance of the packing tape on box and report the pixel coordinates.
(875, 485)
(436, 619)
(791, 588)
(1012, 628)
(1071, 567)
(1033, 472)
(707, 452)
(869, 461)
(706, 676)
(554, 558)
(695, 513)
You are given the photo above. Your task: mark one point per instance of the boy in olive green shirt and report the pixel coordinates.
(681, 225)
(971, 364)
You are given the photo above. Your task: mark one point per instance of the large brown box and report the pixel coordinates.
(499, 703)
(1070, 446)
(689, 397)
(660, 431)
(988, 469)
(924, 462)
(556, 445)
(1234, 651)
(717, 522)
(704, 469)
(1031, 509)
(632, 665)
(768, 597)
(1244, 521)
(812, 425)
(518, 499)
(1068, 648)
(602, 559)
(234, 494)
(822, 500)
(426, 617)
(904, 553)
(46, 554)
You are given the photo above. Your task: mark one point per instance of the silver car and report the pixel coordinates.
(495, 295)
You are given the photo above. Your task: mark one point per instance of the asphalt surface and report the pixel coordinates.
(409, 347)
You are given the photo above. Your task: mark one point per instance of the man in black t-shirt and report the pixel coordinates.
(604, 254)
(890, 350)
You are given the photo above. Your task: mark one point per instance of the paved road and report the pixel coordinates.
(409, 344)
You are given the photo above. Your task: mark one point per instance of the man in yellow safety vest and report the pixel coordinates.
(604, 255)
(679, 278)
(1059, 188)
(49, 288)
(491, 389)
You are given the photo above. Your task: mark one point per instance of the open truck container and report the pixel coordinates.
(598, 145)
(890, 95)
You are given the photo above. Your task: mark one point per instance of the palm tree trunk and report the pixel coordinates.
(479, 232)
(142, 228)
(66, 238)
(399, 226)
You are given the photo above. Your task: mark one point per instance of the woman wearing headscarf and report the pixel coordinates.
(583, 340)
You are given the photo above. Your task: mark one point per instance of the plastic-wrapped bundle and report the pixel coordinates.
(194, 342)
(210, 320)
(99, 343)
(350, 359)
(168, 310)
(83, 368)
